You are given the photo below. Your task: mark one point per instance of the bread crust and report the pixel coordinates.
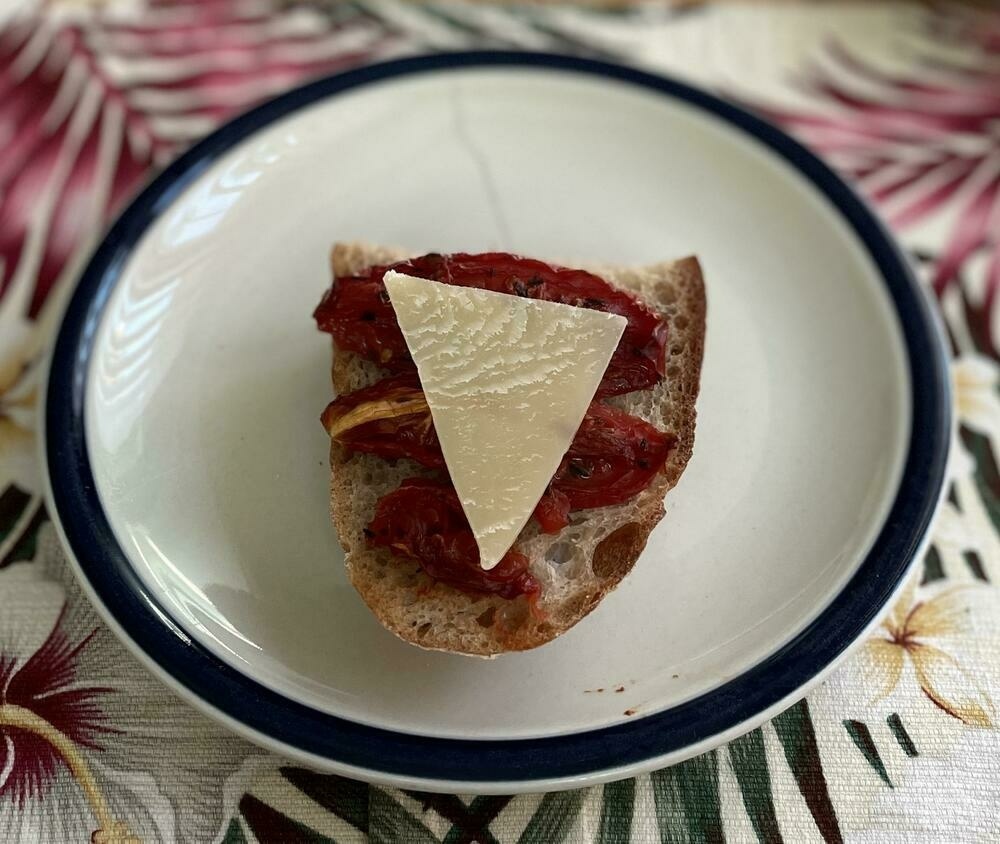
(435, 616)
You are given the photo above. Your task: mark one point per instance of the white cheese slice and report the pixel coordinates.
(508, 381)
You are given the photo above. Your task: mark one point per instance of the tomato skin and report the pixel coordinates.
(356, 310)
(423, 520)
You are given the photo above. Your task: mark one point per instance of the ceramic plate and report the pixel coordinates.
(189, 472)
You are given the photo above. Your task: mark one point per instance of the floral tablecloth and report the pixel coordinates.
(902, 744)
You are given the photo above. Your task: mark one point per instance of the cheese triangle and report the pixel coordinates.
(508, 381)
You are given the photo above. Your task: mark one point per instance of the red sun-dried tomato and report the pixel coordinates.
(389, 419)
(356, 310)
(612, 458)
(423, 520)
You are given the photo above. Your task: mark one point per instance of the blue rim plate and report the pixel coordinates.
(465, 764)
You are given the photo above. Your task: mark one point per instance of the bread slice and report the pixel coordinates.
(576, 567)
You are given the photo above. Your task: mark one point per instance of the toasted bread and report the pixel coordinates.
(576, 567)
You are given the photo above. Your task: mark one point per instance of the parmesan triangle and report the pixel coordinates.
(508, 381)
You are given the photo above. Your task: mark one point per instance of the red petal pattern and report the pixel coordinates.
(88, 110)
(921, 143)
(46, 685)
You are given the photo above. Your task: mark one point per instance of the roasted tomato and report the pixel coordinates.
(613, 457)
(357, 312)
(389, 419)
(423, 521)
(552, 510)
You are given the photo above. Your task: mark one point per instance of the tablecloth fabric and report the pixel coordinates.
(902, 744)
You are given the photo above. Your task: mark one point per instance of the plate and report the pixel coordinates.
(188, 469)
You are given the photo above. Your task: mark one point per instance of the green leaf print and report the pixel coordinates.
(21, 517)
(795, 731)
(862, 738)
(987, 473)
(749, 761)
(234, 833)
(473, 823)
(346, 798)
(902, 736)
(553, 819)
(389, 822)
(687, 801)
(13, 501)
(616, 812)
(268, 824)
(933, 569)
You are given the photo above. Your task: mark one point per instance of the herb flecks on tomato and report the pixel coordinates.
(423, 520)
(613, 458)
(357, 311)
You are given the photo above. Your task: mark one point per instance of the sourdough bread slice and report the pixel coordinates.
(576, 567)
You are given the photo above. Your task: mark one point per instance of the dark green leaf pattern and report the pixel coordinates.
(978, 318)
(234, 833)
(862, 738)
(902, 736)
(952, 497)
(687, 801)
(21, 517)
(553, 819)
(13, 501)
(348, 799)
(933, 569)
(475, 825)
(795, 731)
(616, 812)
(268, 824)
(987, 476)
(389, 822)
(975, 564)
(749, 761)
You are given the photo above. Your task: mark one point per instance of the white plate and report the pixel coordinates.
(187, 459)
